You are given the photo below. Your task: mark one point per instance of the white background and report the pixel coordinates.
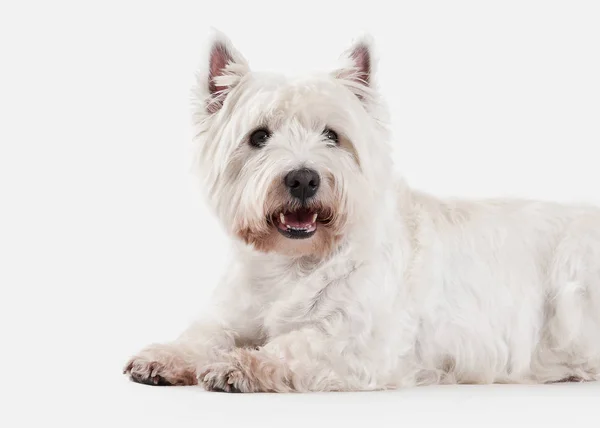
(106, 246)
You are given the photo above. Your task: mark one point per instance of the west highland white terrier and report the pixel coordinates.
(344, 278)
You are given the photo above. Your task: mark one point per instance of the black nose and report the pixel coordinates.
(303, 183)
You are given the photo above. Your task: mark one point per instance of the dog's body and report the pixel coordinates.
(346, 279)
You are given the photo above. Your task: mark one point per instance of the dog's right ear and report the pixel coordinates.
(221, 71)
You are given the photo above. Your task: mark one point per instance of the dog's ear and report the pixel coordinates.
(222, 70)
(358, 65)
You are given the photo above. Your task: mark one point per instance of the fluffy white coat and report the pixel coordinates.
(406, 289)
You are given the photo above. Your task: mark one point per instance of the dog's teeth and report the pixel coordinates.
(314, 217)
(281, 218)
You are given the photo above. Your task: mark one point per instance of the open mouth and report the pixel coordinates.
(298, 224)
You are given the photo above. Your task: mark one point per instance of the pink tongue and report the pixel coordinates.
(300, 219)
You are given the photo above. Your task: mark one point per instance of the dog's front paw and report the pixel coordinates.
(224, 377)
(245, 370)
(160, 365)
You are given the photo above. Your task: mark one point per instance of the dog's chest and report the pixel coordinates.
(299, 295)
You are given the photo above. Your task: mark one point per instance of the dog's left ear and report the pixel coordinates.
(358, 64)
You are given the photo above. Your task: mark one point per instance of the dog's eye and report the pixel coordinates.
(259, 137)
(331, 135)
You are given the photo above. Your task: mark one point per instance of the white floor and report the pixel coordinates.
(575, 405)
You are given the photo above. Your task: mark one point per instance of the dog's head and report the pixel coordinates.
(292, 166)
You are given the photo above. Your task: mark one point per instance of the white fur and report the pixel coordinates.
(418, 290)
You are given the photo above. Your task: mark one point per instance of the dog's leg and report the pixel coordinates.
(303, 360)
(175, 363)
(229, 324)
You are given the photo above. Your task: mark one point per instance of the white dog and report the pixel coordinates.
(344, 279)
